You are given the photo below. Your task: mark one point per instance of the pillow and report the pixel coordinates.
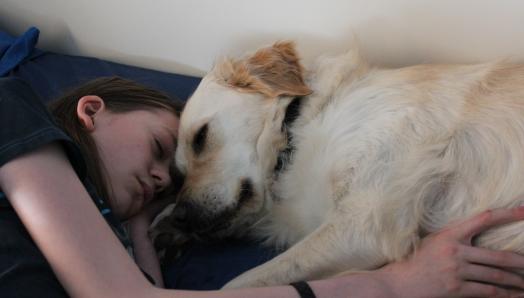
(201, 266)
(50, 74)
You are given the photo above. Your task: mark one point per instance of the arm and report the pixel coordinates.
(145, 254)
(447, 265)
(86, 256)
(143, 247)
(84, 253)
(89, 261)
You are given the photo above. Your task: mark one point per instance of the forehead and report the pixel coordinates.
(207, 98)
(153, 116)
(212, 98)
(153, 119)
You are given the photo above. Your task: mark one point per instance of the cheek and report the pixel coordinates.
(125, 198)
(119, 166)
(121, 155)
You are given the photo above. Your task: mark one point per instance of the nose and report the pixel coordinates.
(161, 176)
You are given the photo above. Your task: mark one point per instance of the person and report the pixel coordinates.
(104, 157)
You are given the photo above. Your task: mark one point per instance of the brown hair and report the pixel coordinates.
(120, 96)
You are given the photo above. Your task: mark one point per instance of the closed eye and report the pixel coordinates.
(246, 191)
(159, 149)
(199, 141)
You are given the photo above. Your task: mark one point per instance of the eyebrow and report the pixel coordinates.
(174, 139)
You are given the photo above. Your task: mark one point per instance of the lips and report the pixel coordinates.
(147, 192)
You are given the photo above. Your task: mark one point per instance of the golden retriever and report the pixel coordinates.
(346, 164)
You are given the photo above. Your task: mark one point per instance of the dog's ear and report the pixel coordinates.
(273, 71)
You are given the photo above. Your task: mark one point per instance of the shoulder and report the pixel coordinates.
(10, 86)
(30, 124)
(7, 82)
(16, 95)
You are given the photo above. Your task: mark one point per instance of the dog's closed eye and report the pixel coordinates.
(246, 191)
(199, 141)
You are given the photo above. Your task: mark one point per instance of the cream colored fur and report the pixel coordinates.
(382, 157)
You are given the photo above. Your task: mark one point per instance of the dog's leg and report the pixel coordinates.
(323, 253)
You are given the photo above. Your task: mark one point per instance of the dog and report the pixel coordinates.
(346, 165)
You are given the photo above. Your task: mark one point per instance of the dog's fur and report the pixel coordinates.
(381, 158)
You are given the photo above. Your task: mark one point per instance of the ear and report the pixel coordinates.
(86, 109)
(273, 71)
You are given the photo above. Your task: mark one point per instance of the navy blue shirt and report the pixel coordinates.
(25, 125)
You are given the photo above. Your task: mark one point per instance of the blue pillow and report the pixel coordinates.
(50, 74)
(202, 266)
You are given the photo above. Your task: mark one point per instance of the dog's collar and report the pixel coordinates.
(292, 113)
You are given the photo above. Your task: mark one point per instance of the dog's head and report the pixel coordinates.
(229, 138)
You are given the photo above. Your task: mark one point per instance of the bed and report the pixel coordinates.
(201, 266)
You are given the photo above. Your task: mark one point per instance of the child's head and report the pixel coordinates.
(127, 133)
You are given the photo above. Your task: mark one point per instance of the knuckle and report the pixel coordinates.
(492, 291)
(486, 217)
(453, 269)
(500, 257)
(450, 250)
(453, 286)
(497, 276)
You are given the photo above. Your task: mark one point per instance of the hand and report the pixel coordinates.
(447, 265)
(143, 219)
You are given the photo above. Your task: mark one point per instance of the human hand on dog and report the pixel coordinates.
(447, 265)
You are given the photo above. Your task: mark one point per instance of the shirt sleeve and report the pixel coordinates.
(25, 125)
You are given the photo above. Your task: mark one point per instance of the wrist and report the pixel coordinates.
(359, 284)
(392, 279)
(138, 226)
(303, 289)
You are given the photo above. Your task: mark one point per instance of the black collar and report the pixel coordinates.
(292, 113)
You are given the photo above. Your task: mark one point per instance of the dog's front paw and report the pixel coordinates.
(165, 237)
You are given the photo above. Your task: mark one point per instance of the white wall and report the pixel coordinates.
(188, 35)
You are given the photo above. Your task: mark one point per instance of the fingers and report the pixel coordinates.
(491, 275)
(493, 258)
(485, 220)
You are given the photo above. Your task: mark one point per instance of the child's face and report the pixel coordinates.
(136, 149)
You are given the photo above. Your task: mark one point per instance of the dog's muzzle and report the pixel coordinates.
(192, 219)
